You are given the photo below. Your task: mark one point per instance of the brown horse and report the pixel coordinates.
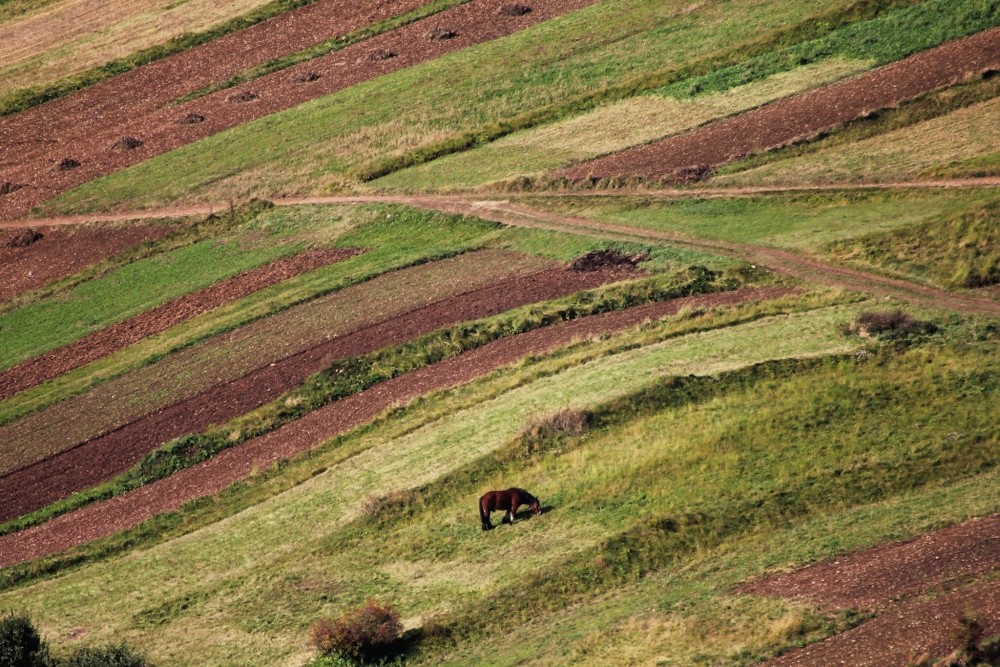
(509, 501)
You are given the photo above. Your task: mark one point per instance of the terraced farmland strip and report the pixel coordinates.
(876, 578)
(123, 512)
(100, 343)
(158, 128)
(59, 253)
(800, 117)
(92, 461)
(299, 333)
(895, 637)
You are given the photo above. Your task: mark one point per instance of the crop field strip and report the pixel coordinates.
(795, 118)
(74, 463)
(51, 364)
(62, 252)
(402, 109)
(156, 126)
(109, 517)
(380, 467)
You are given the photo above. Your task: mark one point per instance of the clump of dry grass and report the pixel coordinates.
(893, 322)
(566, 421)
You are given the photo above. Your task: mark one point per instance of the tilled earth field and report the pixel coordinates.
(30, 258)
(108, 517)
(919, 587)
(692, 155)
(116, 124)
(96, 459)
(101, 343)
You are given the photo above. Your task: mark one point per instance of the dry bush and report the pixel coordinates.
(376, 506)
(514, 10)
(869, 323)
(567, 421)
(23, 238)
(609, 257)
(367, 632)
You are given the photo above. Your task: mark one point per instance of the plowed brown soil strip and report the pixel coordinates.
(102, 457)
(108, 517)
(896, 637)
(101, 343)
(85, 126)
(802, 116)
(63, 252)
(875, 578)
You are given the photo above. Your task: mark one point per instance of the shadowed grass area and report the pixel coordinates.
(960, 252)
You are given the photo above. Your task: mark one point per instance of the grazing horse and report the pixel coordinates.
(509, 501)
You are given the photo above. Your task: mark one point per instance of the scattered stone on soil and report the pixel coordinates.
(441, 34)
(191, 119)
(23, 238)
(8, 187)
(515, 10)
(67, 163)
(127, 144)
(595, 260)
(380, 54)
(308, 77)
(245, 96)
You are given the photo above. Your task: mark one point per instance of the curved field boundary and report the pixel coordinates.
(106, 113)
(62, 252)
(800, 117)
(101, 343)
(97, 459)
(877, 577)
(895, 638)
(108, 517)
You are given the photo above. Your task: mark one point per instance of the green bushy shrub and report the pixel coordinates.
(115, 655)
(20, 643)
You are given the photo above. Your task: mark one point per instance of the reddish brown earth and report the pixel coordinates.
(122, 334)
(897, 581)
(90, 462)
(800, 117)
(876, 578)
(133, 104)
(108, 517)
(65, 251)
(896, 637)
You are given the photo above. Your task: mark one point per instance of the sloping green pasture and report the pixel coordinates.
(177, 597)
(314, 146)
(800, 221)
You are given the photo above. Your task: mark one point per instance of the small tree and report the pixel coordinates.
(364, 633)
(20, 643)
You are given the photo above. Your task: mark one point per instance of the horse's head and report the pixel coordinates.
(536, 507)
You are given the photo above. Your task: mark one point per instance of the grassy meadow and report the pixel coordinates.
(752, 449)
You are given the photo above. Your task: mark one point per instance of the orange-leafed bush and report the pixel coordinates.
(365, 632)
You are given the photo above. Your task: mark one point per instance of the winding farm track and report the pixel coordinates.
(108, 517)
(802, 116)
(920, 587)
(87, 125)
(98, 458)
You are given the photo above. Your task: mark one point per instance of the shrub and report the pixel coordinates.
(892, 323)
(366, 633)
(120, 655)
(20, 643)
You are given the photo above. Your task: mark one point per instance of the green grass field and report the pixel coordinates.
(726, 451)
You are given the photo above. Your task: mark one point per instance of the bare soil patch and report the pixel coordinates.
(101, 343)
(99, 458)
(896, 637)
(108, 517)
(877, 578)
(690, 157)
(138, 103)
(65, 251)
